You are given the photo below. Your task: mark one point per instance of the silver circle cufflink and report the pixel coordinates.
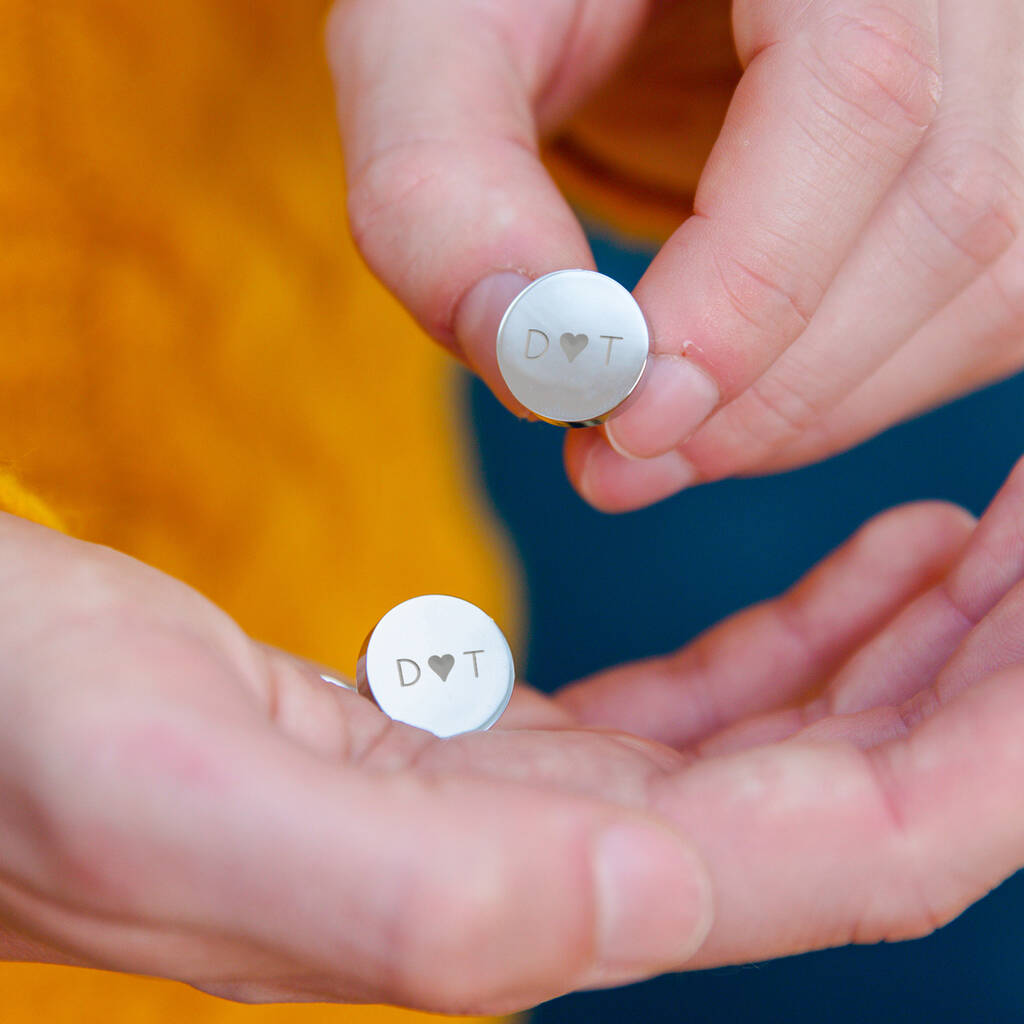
(438, 663)
(572, 347)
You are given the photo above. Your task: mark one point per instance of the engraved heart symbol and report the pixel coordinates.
(573, 345)
(441, 664)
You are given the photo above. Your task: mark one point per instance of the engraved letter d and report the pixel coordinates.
(529, 337)
(401, 675)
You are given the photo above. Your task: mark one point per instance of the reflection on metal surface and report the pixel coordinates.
(572, 347)
(438, 663)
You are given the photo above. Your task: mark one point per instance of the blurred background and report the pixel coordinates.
(604, 589)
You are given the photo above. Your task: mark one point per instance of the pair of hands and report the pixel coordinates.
(855, 251)
(841, 764)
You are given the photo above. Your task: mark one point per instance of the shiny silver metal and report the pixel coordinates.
(572, 346)
(438, 663)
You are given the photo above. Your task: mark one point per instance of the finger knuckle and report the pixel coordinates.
(971, 193)
(434, 966)
(449, 942)
(761, 291)
(909, 911)
(916, 919)
(900, 916)
(763, 419)
(784, 408)
(396, 193)
(382, 192)
(933, 895)
(884, 65)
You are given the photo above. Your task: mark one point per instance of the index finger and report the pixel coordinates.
(440, 105)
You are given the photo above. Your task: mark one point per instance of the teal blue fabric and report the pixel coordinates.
(604, 589)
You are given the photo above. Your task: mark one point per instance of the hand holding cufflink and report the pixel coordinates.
(837, 190)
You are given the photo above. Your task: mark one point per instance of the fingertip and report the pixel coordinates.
(923, 538)
(613, 483)
(574, 454)
(675, 398)
(948, 523)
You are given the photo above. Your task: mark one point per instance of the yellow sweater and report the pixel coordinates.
(196, 369)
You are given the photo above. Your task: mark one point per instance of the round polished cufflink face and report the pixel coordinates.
(572, 346)
(438, 663)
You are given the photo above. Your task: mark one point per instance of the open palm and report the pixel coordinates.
(842, 764)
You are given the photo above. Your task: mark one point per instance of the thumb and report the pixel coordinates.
(459, 895)
(439, 107)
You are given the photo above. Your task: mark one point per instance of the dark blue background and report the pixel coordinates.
(605, 589)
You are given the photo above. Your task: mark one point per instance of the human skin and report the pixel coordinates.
(841, 764)
(854, 253)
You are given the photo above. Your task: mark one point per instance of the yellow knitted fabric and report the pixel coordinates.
(196, 368)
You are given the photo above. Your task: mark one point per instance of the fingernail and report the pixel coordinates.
(616, 484)
(653, 901)
(476, 328)
(676, 397)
